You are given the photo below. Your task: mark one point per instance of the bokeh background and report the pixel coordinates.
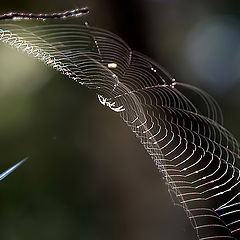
(88, 177)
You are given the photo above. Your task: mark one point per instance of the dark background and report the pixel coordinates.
(88, 177)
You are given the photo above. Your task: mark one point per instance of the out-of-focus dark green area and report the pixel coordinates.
(88, 177)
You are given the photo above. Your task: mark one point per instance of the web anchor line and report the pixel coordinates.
(44, 16)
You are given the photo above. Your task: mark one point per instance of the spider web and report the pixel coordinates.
(197, 156)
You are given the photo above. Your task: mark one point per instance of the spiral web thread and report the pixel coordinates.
(197, 156)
